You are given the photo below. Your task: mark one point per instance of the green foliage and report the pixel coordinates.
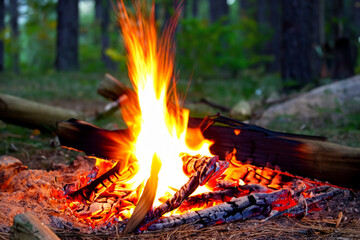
(220, 49)
(38, 36)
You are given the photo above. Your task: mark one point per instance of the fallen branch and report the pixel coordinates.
(111, 88)
(242, 208)
(15, 110)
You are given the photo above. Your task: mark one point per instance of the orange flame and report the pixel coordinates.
(159, 125)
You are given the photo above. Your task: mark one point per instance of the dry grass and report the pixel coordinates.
(281, 228)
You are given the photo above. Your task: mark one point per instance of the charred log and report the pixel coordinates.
(306, 156)
(301, 155)
(242, 208)
(94, 141)
(91, 191)
(198, 178)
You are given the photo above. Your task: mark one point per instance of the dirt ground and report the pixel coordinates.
(339, 218)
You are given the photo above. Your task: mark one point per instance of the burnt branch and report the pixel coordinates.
(242, 208)
(95, 188)
(201, 174)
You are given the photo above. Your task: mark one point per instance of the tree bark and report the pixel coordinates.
(268, 14)
(356, 24)
(2, 27)
(67, 35)
(31, 114)
(218, 9)
(14, 14)
(195, 8)
(299, 18)
(102, 15)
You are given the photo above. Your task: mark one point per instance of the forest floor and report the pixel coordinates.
(36, 150)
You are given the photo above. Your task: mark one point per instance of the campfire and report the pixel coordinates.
(168, 169)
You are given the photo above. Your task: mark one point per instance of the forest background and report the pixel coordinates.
(231, 51)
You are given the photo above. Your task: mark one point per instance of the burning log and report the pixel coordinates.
(306, 156)
(95, 188)
(256, 205)
(28, 227)
(31, 114)
(94, 141)
(198, 178)
(237, 209)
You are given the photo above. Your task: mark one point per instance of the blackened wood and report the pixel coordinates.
(306, 205)
(241, 208)
(306, 156)
(67, 35)
(300, 155)
(198, 178)
(94, 189)
(94, 141)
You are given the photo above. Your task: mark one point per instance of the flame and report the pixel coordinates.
(159, 125)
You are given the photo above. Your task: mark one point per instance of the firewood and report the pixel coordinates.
(306, 156)
(15, 110)
(241, 208)
(9, 167)
(196, 179)
(147, 198)
(256, 205)
(94, 141)
(111, 88)
(28, 227)
(301, 155)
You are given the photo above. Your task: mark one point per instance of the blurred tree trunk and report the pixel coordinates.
(67, 35)
(344, 38)
(356, 27)
(247, 7)
(2, 27)
(356, 15)
(299, 20)
(14, 14)
(102, 15)
(245, 4)
(218, 9)
(268, 14)
(195, 8)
